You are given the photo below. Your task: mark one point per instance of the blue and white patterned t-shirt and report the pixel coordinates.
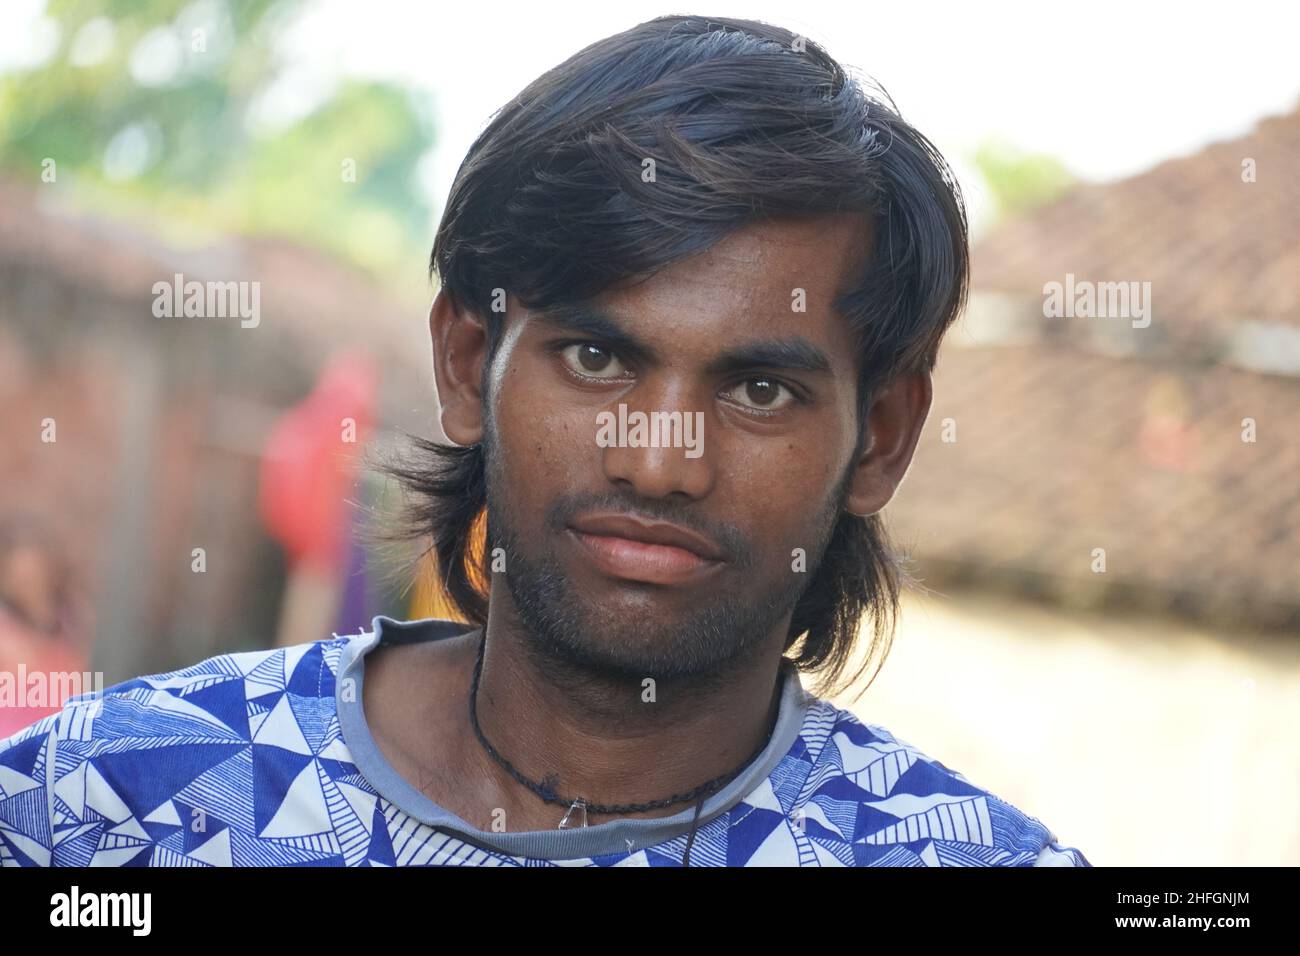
(264, 758)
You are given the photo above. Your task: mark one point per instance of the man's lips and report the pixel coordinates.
(653, 552)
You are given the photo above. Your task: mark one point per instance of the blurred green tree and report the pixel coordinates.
(1020, 181)
(186, 113)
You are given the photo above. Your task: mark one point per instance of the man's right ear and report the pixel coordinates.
(459, 341)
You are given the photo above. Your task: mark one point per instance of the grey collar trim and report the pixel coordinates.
(613, 837)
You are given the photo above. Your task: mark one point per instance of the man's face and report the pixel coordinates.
(762, 481)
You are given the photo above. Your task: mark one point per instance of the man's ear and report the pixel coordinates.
(892, 429)
(459, 341)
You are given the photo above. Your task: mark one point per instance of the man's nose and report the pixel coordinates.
(659, 444)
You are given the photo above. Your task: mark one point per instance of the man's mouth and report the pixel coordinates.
(651, 552)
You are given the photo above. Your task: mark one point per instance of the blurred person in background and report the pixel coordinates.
(42, 623)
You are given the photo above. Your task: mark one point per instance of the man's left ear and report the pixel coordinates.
(892, 429)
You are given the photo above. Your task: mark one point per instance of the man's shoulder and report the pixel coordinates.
(235, 698)
(115, 772)
(890, 801)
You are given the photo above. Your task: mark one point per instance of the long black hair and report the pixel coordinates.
(745, 122)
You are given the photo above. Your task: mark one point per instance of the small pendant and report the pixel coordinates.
(579, 820)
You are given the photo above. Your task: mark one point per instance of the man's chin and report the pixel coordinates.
(627, 634)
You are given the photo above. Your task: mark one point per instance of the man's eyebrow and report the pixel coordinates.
(793, 354)
(598, 324)
(796, 354)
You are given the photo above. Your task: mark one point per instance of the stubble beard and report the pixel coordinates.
(574, 638)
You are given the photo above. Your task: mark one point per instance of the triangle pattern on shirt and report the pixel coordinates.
(240, 760)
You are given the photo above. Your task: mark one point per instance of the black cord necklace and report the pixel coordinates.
(578, 808)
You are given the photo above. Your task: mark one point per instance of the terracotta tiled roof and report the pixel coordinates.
(1215, 248)
(1079, 434)
(314, 303)
(1059, 452)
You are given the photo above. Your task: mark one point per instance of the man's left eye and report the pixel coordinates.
(763, 394)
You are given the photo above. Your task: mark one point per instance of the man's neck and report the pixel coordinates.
(607, 739)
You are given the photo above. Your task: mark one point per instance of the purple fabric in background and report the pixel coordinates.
(355, 612)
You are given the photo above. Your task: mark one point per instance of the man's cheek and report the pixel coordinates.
(549, 466)
(570, 442)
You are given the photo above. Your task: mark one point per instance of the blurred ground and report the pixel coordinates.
(1138, 741)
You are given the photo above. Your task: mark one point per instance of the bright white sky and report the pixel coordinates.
(1109, 88)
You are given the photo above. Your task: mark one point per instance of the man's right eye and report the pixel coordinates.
(591, 360)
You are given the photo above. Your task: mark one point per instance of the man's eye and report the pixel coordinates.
(762, 393)
(592, 360)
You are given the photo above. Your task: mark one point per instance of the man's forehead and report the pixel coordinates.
(756, 272)
(743, 287)
(771, 256)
